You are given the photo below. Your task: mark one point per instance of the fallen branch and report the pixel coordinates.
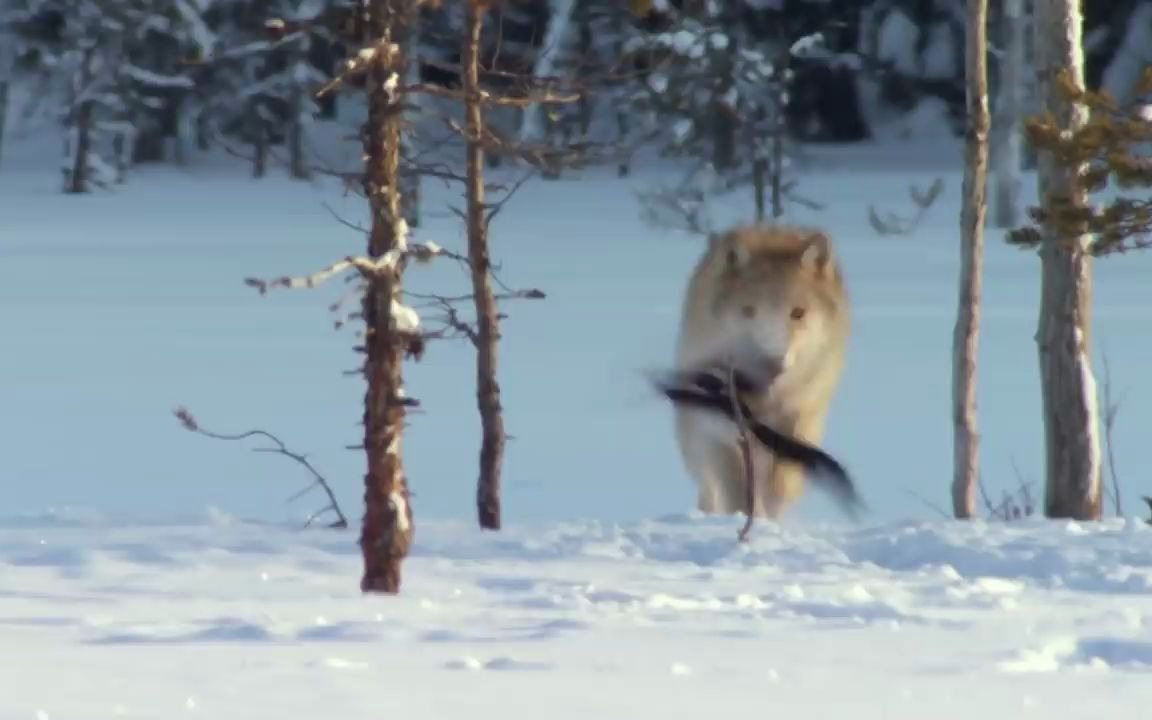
(189, 422)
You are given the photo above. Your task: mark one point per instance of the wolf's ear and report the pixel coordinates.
(817, 252)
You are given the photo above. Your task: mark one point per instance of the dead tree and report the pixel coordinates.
(391, 329)
(481, 143)
(386, 532)
(487, 325)
(965, 340)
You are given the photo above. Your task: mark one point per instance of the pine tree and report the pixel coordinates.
(1083, 141)
(718, 96)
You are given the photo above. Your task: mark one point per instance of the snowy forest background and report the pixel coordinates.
(139, 82)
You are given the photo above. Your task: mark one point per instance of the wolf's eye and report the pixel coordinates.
(798, 313)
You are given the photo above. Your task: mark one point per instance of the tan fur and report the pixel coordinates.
(766, 271)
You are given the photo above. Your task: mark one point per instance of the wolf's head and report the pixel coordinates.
(779, 296)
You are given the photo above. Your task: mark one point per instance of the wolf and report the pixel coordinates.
(771, 301)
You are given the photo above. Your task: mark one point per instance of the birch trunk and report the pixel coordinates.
(1009, 147)
(531, 127)
(386, 533)
(1068, 387)
(965, 342)
(487, 326)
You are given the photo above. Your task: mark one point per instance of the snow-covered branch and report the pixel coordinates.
(368, 267)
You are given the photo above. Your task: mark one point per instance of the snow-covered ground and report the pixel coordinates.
(669, 618)
(117, 307)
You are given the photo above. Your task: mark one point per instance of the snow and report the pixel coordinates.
(942, 54)
(148, 77)
(896, 42)
(407, 319)
(807, 45)
(1121, 77)
(681, 41)
(658, 82)
(233, 619)
(121, 594)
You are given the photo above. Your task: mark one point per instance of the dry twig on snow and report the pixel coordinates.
(189, 422)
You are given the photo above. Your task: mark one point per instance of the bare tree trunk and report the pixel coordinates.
(7, 69)
(531, 122)
(487, 325)
(298, 166)
(1009, 150)
(81, 128)
(965, 341)
(301, 115)
(778, 153)
(1068, 387)
(759, 181)
(410, 180)
(387, 530)
(260, 145)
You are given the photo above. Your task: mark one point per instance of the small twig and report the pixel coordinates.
(189, 422)
(1023, 488)
(984, 496)
(495, 208)
(1111, 409)
(928, 503)
(746, 454)
(894, 225)
(342, 221)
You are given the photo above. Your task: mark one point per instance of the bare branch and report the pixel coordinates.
(928, 503)
(489, 99)
(892, 224)
(367, 267)
(1111, 410)
(745, 453)
(189, 423)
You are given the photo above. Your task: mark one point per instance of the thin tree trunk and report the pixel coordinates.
(965, 341)
(778, 152)
(1068, 387)
(1009, 160)
(387, 530)
(487, 325)
(82, 128)
(260, 144)
(531, 124)
(301, 114)
(7, 70)
(410, 180)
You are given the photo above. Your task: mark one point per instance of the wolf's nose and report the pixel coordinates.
(759, 375)
(770, 368)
